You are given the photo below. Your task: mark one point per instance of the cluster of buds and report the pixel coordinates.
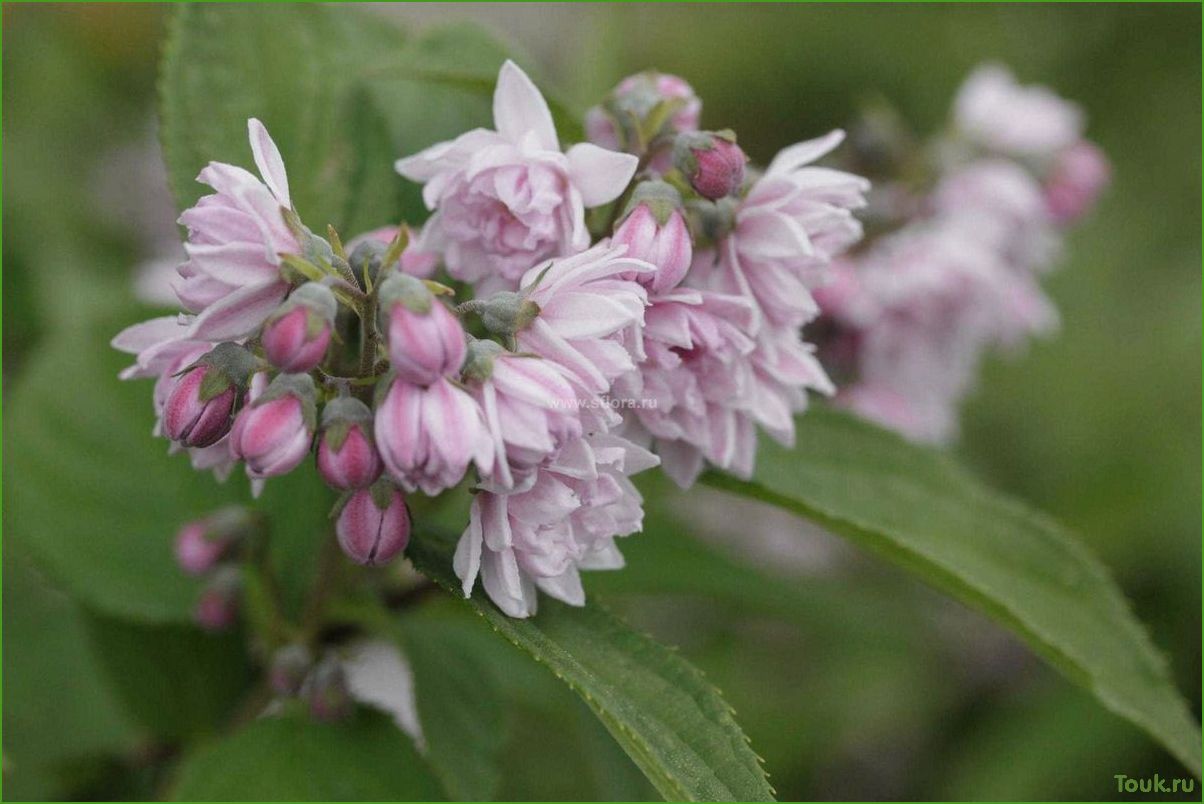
(209, 548)
(971, 223)
(666, 331)
(322, 685)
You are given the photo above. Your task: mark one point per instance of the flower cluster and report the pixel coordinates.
(907, 319)
(650, 264)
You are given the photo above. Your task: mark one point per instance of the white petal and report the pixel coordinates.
(238, 314)
(268, 160)
(519, 109)
(804, 153)
(600, 175)
(135, 338)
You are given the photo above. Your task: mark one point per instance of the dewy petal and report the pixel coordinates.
(519, 108)
(804, 153)
(600, 175)
(268, 160)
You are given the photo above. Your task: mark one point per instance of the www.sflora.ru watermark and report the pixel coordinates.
(1154, 784)
(615, 403)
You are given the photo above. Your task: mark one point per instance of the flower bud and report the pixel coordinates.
(296, 336)
(197, 410)
(425, 338)
(290, 665)
(326, 692)
(200, 544)
(503, 313)
(274, 433)
(217, 608)
(655, 231)
(374, 524)
(347, 456)
(1080, 173)
(642, 108)
(711, 161)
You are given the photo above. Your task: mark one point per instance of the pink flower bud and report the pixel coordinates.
(655, 231)
(425, 338)
(217, 608)
(273, 434)
(641, 109)
(290, 665)
(1080, 173)
(296, 336)
(347, 456)
(711, 161)
(326, 692)
(197, 410)
(374, 524)
(200, 544)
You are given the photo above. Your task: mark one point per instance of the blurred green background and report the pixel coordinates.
(874, 687)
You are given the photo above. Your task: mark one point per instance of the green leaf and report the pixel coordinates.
(343, 93)
(91, 494)
(914, 507)
(670, 721)
(460, 709)
(292, 758)
(174, 679)
(57, 707)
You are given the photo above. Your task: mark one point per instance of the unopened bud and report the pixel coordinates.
(1080, 173)
(425, 338)
(326, 692)
(290, 666)
(273, 434)
(711, 161)
(198, 408)
(655, 231)
(200, 544)
(504, 313)
(296, 336)
(478, 366)
(347, 456)
(217, 608)
(642, 108)
(374, 524)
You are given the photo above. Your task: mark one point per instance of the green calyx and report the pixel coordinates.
(230, 366)
(661, 198)
(406, 290)
(340, 415)
(478, 365)
(300, 386)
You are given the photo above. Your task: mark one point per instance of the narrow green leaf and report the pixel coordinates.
(672, 723)
(914, 507)
(293, 758)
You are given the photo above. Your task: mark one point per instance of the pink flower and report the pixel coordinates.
(793, 221)
(295, 338)
(428, 436)
(1079, 175)
(1001, 205)
(425, 339)
(374, 524)
(934, 297)
(529, 406)
(232, 277)
(347, 457)
(584, 305)
(564, 519)
(655, 231)
(996, 113)
(273, 433)
(508, 198)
